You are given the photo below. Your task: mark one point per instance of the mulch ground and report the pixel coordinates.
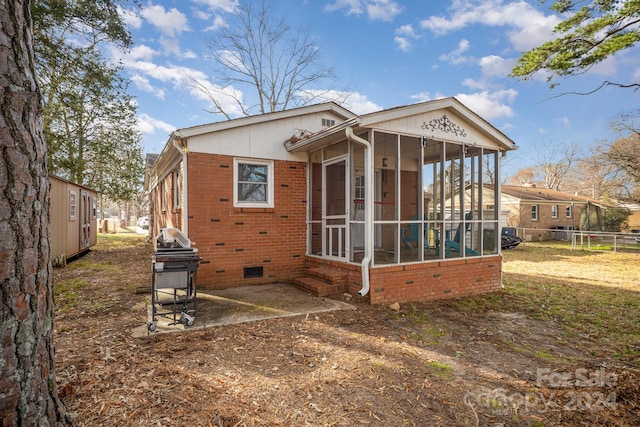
(426, 364)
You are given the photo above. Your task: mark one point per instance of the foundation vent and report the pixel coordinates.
(250, 272)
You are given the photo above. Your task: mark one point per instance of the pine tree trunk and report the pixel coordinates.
(28, 392)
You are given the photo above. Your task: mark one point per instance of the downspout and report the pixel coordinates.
(182, 148)
(368, 207)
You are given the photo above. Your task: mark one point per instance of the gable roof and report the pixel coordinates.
(406, 119)
(535, 194)
(261, 118)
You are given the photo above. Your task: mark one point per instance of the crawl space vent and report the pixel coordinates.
(250, 272)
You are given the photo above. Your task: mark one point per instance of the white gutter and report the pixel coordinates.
(368, 207)
(185, 206)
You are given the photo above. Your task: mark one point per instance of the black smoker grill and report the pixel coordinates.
(173, 279)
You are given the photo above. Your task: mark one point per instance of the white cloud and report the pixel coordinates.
(189, 54)
(360, 104)
(455, 57)
(218, 22)
(230, 6)
(149, 125)
(383, 10)
(495, 66)
(530, 27)
(130, 18)
(170, 45)
(475, 84)
(377, 10)
(490, 105)
(170, 23)
(184, 79)
(353, 101)
(564, 121)
(352, 6)
(144, 85)
(141, 52)
(426, 96)
(404, 37)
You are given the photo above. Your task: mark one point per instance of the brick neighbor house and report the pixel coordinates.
(543, 213)
(337, 202)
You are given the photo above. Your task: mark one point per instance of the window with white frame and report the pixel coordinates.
(554, 211)
(73, 203)
(568, 210)
(253, 183)
(177, 189)
(534, 212)
(163, 196)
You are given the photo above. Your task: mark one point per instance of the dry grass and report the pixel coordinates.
(449, 363)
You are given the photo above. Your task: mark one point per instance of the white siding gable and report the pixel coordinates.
(263, 140)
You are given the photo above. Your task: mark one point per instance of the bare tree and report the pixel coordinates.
(524, 177)
(261, 63)
(29, 394)
(555, 162)
(624, 153)
(595, 176)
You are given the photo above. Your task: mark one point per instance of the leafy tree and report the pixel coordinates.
(592, 31)
(615, 219)
(89, 120)
(28, 393)
(262, 56)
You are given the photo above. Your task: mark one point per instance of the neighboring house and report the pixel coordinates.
(633, 222)
(543, 213)
(72, 215)
(337, 202)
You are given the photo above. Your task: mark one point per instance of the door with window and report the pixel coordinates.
(335, 242)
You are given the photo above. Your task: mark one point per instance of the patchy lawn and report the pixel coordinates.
(559, 346)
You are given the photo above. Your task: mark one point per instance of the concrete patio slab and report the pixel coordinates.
(245, 304)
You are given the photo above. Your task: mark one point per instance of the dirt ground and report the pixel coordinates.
(426, 364)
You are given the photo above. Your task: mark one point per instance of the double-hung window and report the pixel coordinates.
(534, 212)
(554, 211)
(177, 189)
(253, 183)
(568, 212)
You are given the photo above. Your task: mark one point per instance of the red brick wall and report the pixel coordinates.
(229, 239)
(425, 281)
(545, 221)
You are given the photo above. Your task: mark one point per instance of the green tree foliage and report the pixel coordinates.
(615, 219)
(89, 120)
(593, 31)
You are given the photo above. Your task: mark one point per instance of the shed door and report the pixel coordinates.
(335, 242)
(85, 219)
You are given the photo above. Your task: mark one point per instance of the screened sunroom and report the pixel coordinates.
(434, 189)
(410, 185)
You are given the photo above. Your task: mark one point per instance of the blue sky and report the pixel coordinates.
(389, 53)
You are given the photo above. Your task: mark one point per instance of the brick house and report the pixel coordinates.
(541, 211)
(337, 202)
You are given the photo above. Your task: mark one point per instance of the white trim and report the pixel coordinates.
(269, 203)
(73, 205)
(177, 188)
